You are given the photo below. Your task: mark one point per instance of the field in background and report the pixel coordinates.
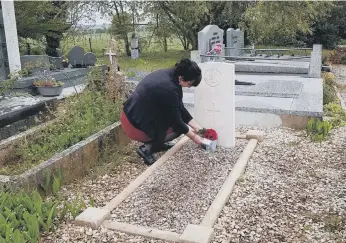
(152, 57)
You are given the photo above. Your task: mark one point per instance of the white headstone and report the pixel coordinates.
(10, 27)
(214, 105)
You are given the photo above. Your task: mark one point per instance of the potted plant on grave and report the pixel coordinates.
(47, 86)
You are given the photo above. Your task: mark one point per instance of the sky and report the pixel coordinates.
(99, 20)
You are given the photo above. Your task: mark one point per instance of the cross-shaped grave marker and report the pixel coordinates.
(112, 55)
(213, 111)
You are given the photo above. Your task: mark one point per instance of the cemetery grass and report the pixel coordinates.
(77, 118)
(152, 57)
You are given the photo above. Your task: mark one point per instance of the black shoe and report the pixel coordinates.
(146, 155)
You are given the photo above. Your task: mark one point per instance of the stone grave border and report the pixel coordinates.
(74, 161)
(202, 233)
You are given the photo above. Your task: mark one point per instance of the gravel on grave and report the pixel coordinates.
(293, 191)
(179, 192)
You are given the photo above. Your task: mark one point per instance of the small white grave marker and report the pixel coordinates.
(215, 101)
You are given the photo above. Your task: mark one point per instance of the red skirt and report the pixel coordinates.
(134, 133)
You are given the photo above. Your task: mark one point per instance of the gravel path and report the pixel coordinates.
(180, 191)
(293, 191)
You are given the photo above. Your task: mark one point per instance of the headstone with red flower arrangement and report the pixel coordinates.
(209, 139)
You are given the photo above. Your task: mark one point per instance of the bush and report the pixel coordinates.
(329, 78)
(337, 116)
(329, 94)
(317, 129)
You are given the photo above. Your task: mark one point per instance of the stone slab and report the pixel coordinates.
(286, 101)
(153, 233)
(197, 234)
(214, 101)
(258, 67)
(92, 217)
(67, 75)
(270, 88)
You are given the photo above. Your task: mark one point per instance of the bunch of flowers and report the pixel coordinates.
(215, 51)
(210, 134)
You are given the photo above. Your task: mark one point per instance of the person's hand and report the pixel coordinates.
(194, 136)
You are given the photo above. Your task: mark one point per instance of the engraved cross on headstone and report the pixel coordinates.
(213, 111)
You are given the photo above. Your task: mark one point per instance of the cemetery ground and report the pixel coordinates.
(292, 191)
(293, 188)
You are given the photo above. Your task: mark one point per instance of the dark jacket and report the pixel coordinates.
(157, 104)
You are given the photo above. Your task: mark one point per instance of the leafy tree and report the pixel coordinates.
(329, 29)
(121, 26)
(191, 17)
(45, 20)
(267, 20)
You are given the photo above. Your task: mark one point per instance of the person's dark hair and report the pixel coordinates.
(189, 71)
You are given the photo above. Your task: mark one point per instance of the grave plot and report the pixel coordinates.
(174, 201)
(286, 91)
(179, 192)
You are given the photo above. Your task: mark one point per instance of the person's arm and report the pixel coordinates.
(194, 125)
(176, 118)
(188, 119)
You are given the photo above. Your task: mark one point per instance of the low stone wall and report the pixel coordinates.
(74, 161)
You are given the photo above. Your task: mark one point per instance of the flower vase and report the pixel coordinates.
(209, 145)
(213, 145)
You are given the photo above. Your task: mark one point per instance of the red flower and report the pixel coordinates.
(210, 134)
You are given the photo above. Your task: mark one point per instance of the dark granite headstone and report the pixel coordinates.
(90, 59)
(76, 57)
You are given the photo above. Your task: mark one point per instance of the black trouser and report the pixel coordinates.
(161, 137)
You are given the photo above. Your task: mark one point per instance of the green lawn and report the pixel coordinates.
(151, 58)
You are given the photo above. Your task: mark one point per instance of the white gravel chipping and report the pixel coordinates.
(180, 191)
(292, 191)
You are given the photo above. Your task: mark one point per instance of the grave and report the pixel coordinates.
(76, 57)
(287, 90)
(214, 99)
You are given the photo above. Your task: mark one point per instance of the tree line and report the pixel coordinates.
(280, 23)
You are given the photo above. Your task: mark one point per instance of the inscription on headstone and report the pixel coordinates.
(235, 42)
(208, 38)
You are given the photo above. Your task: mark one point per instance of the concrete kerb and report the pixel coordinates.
(74, 161)
(202, 233)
